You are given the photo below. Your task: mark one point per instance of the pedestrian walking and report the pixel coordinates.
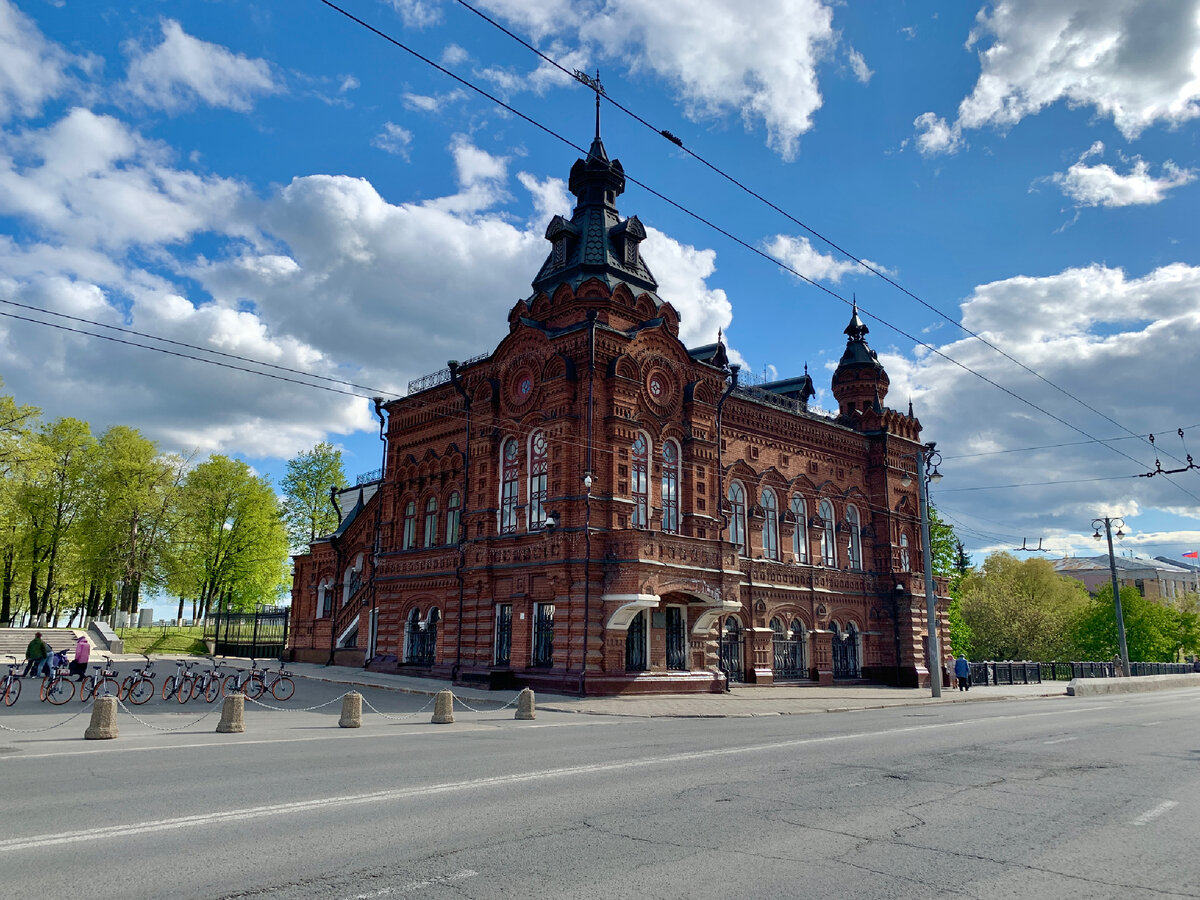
(83, 653)
(962, 670)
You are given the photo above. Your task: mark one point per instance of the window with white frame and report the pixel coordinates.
(854, 539)
(453, 517)
(670, 487)
(325, 597)
(770, 529)
(640, 480)
(539, 469)
(737, 516)
(800, 535)
(409, 539)
(905, 557)
(431, 522)
(828, 535)
(509, 474)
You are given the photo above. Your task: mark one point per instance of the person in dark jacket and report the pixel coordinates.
(36, 653)
(962, 671)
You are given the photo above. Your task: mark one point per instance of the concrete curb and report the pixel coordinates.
(1095, 687)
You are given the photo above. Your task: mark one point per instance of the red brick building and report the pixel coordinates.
(595, 507)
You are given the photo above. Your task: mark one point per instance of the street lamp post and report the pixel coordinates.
(1107, 522)
(928, 459)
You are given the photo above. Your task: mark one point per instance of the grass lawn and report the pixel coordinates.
(160, 640)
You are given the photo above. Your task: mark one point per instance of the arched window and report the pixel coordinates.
(800, 535)
(640, 481)
(431, 522)
(828, 535)
(770, 530)
(325, 597)
(508, 486)
(410, 526)
(353, 579)
(737, 516)
(854, 541)
(905, 558)
(670, 487)
(453, 517)
(539, 468)
(412, 629)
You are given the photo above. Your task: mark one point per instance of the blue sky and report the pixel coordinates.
(272, 181)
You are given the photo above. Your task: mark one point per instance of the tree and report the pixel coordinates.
(1020, 609)
(16, 424)
(231, 546)
(307, 510)
(1154, 632)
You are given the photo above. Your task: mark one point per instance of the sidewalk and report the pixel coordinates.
(742, 701)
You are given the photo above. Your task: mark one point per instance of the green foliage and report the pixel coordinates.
(1154, 632)
(307, 511)
(962, 638)
(170, 640)
(1020, 609)
(943, 546)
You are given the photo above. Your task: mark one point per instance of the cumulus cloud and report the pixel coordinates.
(1084, 329)
(183, 71)
(32, 69)
(432, 103)
(934, 136)
(1101, 185)
(801, 256)
(716, 57)
(1134, 61)
(681, 271)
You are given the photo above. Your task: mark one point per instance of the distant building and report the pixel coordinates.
(1154, 579)
(594, 507)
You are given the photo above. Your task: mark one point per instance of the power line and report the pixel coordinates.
(1064, 444)
(737, 240)
(879, 273)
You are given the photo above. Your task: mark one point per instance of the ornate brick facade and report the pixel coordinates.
(593, 507)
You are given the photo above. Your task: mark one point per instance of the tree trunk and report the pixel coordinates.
(179, 615)
(8, 575)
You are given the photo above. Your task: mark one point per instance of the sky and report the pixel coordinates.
(274, 187)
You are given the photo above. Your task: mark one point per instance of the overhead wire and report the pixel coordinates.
(734, 238)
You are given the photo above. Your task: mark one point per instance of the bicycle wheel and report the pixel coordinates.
(184, 692)
(126, 685)
(230, 685)
(255, 687)
(109, 685)
(60, 691)
(212, 688)
(87, 688)
(169, 686)
(283, 688)
(12, 691)
(42, 690)
(140, 691)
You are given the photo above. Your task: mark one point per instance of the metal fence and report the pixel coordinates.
(261, 634)
(1024, 672)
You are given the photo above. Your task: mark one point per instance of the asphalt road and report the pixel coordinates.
(1062, 797)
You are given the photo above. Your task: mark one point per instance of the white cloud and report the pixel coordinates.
(349, 83)
(418, 13)
(799, 254)
(934, 136)
(432, 103)
(393, 139)
(1102, 185)
(681, 271)
(1091, 330)
(714, 55)
(454, 54)
(32, 69)
(1134, 61)
(550, 198)
(859, 65)
(184, 70)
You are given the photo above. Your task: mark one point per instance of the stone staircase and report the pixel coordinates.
(14, 640)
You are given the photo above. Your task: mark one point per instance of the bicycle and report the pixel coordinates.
(208, 684)
(279, 684)
(57, 687)
(104, 676)
(139, 686)
(185, 690)
(10, 687)
(245, 682)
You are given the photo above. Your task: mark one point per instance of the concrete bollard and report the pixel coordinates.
(233, 715)
(525, 705)
(104, 720)
(351, 711)
(443, 708)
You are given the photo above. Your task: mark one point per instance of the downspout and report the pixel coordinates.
(372, 624)
(733, 377)
(337, 562)
(462, 516)
(587, 499)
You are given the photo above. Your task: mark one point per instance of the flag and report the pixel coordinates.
(1193, 555)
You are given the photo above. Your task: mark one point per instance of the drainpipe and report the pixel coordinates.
(462, 515)
(587, 500)
(372, 626)
(733, 377)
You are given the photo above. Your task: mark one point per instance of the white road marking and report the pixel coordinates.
(418, 885)
(276, 809)
(1152, 814)
(1059, 740)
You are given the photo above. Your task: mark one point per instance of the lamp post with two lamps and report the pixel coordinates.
(928, 459)
(1107, 522)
